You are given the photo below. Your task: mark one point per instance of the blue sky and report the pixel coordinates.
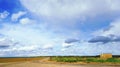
(59, 27)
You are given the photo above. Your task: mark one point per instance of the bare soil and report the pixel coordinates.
(45, 63)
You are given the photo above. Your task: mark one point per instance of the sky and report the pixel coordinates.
(59, 27)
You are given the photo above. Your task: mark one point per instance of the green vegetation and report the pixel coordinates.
(84, 59)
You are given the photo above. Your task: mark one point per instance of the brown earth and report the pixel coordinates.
(45, 63)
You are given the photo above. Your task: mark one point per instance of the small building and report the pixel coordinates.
(106, 55)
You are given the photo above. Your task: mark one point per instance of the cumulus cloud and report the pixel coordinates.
(4, 14)
(26, 20)
(16, 16)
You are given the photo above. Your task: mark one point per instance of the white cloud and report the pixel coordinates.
(114, 5)
(63, 49)
(4, 14)
(24, 48)
(68, 14)
(16, 16)
(66, 45)
(68, 9)
(91, 49)
(58, 24)
(34, 37)
(25, 21)
(6, 42)
(48, 46)
(31, 37)
(26, 34)
(113, 29)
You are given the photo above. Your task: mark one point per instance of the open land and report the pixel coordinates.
(54, 62)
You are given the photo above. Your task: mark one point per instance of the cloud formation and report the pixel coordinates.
(104, 39)
(51, 27)
(71, 41)
(5, 42)
(66, 9)
(113, 29)
(67, 45)
(68, 14)
(27, 21)
(16, 16)
(4, 15)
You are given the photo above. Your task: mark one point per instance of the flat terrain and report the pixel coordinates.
(44, 63)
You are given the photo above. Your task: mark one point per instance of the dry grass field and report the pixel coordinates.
(48, 62)
(19, 59)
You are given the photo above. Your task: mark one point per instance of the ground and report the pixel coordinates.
(43, 63)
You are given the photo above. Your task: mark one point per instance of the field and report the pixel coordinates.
(68, 59)
(59, 61)
(84, 59)
(19, 59)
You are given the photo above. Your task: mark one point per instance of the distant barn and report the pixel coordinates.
(106, 55)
